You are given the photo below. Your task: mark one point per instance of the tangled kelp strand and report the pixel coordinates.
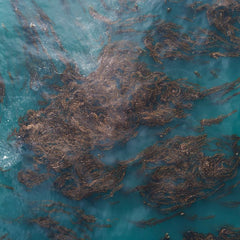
(51, 210)
(55, 231)
(4, 237)
(47, 24)
(31, 178)
(225, 233)
(154, 221)
(219, 119)
(37, 55)
(2, 89)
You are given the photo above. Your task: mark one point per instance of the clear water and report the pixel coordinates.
(83, 37)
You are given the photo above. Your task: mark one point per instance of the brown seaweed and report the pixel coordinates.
(181, 172)
(105, 108)
(2, 89)
(225, 233)
(49, 211)
(4, 237)
(100, 112)
(100, 117)
(154, 221)
(219, 119)
(31, 178)
(166, 40)
(100, 17)
(55, 231)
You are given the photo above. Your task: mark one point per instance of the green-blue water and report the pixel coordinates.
(83, 37)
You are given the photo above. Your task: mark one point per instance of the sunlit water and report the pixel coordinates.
(83, 37)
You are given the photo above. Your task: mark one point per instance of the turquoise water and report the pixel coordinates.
(83, 38)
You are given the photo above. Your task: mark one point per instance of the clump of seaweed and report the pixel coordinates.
(209, 122)
(166, 40)
(31, 178)
(223, 16)
(181, 172)
(225, 233)
(51, 210)
(55, 231)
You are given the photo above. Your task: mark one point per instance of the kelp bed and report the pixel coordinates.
(82, 114)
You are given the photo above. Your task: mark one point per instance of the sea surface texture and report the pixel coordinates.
(119, 119)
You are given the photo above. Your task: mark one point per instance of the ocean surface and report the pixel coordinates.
(83, 36)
